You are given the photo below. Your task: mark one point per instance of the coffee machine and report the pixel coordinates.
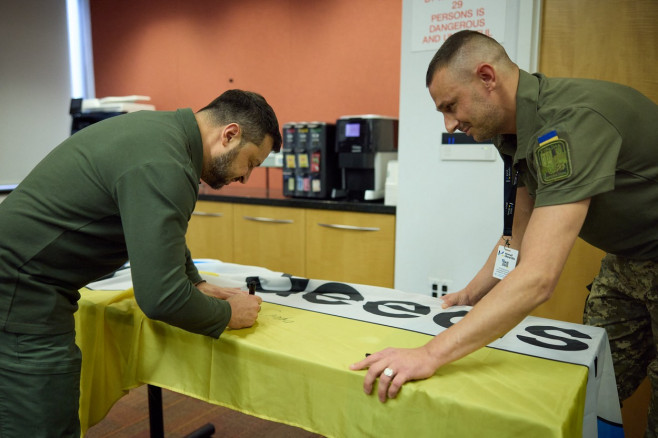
(365, 144)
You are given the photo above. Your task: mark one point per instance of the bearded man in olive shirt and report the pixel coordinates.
(122, 189)
(586, 153)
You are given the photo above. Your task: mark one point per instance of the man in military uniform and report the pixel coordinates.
(586, 156)
(121, 189)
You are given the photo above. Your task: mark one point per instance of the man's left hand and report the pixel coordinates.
(221, 292)
(394, 367)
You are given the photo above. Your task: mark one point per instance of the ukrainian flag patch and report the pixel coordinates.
(547, 137)
(553, 158)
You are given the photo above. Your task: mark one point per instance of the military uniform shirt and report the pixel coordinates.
(121, 189)
(580, 138)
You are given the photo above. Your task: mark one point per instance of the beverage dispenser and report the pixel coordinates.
(310, 165)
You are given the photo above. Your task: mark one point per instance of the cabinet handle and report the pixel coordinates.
(268, 219)
(203, 213)
(349, 227)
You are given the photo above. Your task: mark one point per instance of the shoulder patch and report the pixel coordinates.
(553, 161)
(549, 136)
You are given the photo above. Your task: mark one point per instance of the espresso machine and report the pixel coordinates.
(365, 144)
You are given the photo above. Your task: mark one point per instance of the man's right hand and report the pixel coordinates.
(455, 299)
(244, 310)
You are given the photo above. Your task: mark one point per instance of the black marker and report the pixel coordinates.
(252, 287)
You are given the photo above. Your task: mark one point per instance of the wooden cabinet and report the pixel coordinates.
(347, 246)
(350, 247)
(271, 237)
(210, 231)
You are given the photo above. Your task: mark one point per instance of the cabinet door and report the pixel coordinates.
(350, 247)
(210, 231)
(271, 237)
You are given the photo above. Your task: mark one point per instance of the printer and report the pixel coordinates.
(365, 144)
(85, 112)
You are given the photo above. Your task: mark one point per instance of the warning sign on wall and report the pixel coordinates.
(435, 20)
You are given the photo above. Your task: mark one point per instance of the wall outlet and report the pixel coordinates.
(439, 286)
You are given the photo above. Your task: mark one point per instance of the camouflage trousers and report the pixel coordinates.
(624, 301)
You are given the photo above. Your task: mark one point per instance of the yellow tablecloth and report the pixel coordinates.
(292, 367)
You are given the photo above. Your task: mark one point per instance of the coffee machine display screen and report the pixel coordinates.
(352, 129)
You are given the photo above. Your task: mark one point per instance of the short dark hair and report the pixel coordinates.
(249, 110)
(451, 47)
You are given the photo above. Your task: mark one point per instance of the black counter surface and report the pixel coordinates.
(263, 196)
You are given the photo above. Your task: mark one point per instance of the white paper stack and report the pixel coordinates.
(118, 104)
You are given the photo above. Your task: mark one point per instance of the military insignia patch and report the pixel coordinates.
(553, 160)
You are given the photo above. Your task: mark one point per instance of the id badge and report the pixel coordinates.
(505, 261)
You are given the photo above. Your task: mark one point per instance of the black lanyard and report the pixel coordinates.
(510, 183)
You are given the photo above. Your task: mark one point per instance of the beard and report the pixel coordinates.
(218, 173)
(487, 120)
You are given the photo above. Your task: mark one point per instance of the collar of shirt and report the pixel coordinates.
(527, 96)
(527, 119)
(195, 145)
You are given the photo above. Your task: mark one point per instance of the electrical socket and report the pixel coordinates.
(439, 286)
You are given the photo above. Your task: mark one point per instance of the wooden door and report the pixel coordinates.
(609, 40)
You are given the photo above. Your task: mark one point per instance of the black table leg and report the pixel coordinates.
(156, 422)
(205, 431)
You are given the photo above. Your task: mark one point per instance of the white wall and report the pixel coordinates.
(34, 84)
(449, 213)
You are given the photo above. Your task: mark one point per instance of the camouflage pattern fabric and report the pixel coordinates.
(624, 301)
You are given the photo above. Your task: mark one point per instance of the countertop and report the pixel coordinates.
(274, 197)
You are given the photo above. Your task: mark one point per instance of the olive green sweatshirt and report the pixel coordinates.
(121, 189)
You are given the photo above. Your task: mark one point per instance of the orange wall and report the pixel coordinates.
(311, 59)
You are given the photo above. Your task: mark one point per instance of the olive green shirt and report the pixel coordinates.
(121, 189)
(579, 139)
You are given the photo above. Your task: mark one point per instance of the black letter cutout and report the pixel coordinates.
(374, 307)
(569, 344)
(323, 294)
(444, 319)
